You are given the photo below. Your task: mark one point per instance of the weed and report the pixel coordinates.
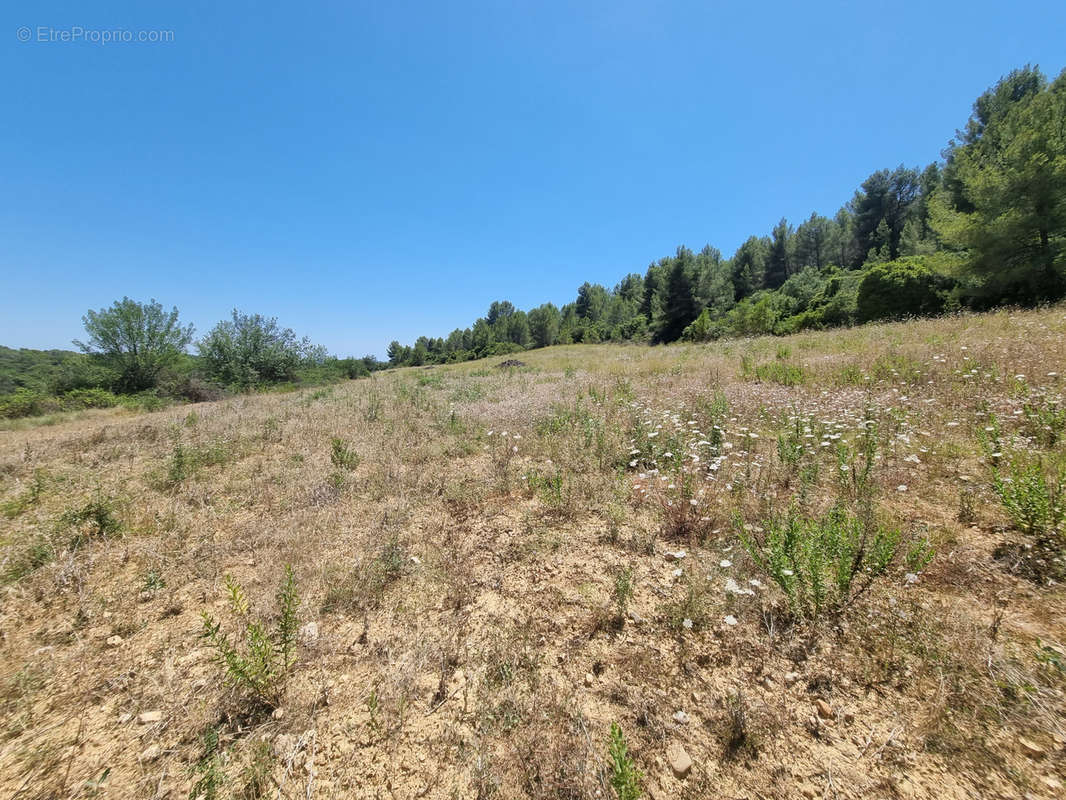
(342, 455)
(153, 581)
(1045, 422)
(691, 611)
(34, 553)
(31, 497)
(967, 513)
(211, 776)
(1033, 497)
(94, 520)
(776, 372)
(272, 429)
(554, 490)
(336, 480)
(364, 586)
(503, 450)
(738, 735)
(623, 591)
(625, 776)
(186, 460)
(255, 777)
(822, 564)
(258, 659)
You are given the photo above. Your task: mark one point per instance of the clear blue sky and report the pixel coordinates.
(371, 171)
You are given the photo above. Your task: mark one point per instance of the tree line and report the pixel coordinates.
(983, 226)
(137, 354)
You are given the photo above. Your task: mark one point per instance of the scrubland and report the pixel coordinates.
(826, 565)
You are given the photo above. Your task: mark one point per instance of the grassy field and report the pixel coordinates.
(828, 565)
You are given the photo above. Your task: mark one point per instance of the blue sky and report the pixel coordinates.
(371, 171)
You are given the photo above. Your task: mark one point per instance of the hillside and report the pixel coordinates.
(495, 564)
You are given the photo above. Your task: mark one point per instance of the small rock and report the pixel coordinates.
(825, 711)
(309, 633)
(278, 713)
(149, 717)
(1031, 748)
(415, 560)
(124, 718)
(768, 684)
(589, 679)
(809, 791)
(150, 754)
(676, 555)
(114, 641)
(680, 762)
(680, 717)
(1053, 783)
(849, 715)
(791, 678)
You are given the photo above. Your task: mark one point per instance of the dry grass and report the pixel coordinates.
(458, 534)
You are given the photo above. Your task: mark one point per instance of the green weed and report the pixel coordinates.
(257, 659)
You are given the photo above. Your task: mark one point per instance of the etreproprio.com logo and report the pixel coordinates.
(47, 34)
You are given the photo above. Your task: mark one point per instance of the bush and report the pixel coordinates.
(94, 520)
(907, 287)
(825, 564)
(704, 328)
(89, 398)
(1034, 498)
(342, 454)
(27, 403)
(501, 349)
(251, 349)
(257, 660)
(190, 389)
(835, 304)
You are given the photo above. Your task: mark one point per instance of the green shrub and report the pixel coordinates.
(144, 401)
(89, 398)
(211, 777)
(251, 349)
(782, 373)
(1045, 422)
(94, 520)
(625, 776)
(27, 403)
(835, 304)
(342, 454)
(824, 564)
(907, 287)
(28, 557)
(186, 460)
(1033, 497)
(257, 659)
(31, 497)
(623, 590)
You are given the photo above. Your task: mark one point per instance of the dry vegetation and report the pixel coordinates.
(723, 548)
